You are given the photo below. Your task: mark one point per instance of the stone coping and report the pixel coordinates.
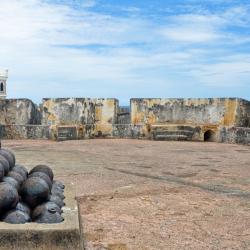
(29, 236)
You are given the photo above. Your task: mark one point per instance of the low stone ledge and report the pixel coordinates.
(29, 236)
(15, 131)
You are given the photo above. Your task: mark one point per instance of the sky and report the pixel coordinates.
(125, 48)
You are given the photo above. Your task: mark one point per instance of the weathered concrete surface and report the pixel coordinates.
(139, 194)
(19, 111)
(24, 132)
(210, 111)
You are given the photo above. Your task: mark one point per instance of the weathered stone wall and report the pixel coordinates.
(24, 132)
(128, 131)
(243, 113)
(123, 116)
(239, 135)
(212, 111)
(84, 111)
(66, 111)
(19, 111)
(228, 119)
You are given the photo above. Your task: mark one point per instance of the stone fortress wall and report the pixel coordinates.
(212, 119)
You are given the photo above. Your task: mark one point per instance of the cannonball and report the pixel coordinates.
(57, 192)
(56, 199)
(35, 191)
(9, 157)
(59, 184)
(47, 206)
(13, 182)
(23, 207)
(2, 171)
(8, 197)
(21, 170)
(45, 169)
(44, 176)
(16, 216)
(18, 177)
(5, 164)
(49, 217)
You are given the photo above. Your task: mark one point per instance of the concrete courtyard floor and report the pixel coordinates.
(136, 194)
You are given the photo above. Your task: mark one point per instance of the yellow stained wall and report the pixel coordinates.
(215, 111)
(72, 111)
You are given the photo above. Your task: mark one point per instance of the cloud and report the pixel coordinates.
(60, 48)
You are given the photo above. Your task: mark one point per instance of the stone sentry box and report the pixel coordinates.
(3, 80)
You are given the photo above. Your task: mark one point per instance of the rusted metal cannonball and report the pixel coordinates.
(16, 216)
(49, 216)
(5, 164)
(9, 157)
(13, 182)
(8, 197)
(18, 177)
(35, 191)
(43, 176)
(45, 169)
(21, 170)
(47, 206)
(23, 207)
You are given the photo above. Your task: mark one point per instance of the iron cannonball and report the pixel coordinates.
(47, 206)
(8, 197)
(5, 164)
(50, 217)
(2, 171)
(16, 216)
(57, 192)
(21, 170)
(13, 182)
(43, 176)
(59, 184)
(18, 177)
(11, 156)
(45, 169)
(35, 191)
(23, 207)
(8, 157)
(56, 199)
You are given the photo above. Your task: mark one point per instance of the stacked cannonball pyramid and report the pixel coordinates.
(26, 197)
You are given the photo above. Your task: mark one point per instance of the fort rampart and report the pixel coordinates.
(212, 119)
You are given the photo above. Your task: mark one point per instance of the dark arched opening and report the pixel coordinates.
(1, 87)
(209, 135)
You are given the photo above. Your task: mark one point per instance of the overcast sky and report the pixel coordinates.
(126, 48)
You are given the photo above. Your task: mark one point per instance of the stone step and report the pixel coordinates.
(172, 137)
(177, 132)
